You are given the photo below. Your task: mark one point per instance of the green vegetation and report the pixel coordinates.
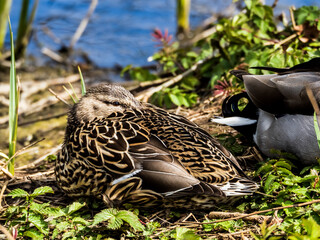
(287, 193)
(40, 220)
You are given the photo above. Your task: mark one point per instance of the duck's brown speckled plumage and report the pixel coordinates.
(127, 151)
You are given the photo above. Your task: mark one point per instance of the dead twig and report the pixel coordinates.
(2, 192)
(259, 212)
(253, 218)
(313, 100)
(39, 160)
(291, 9)
(53, 55)
(17, 153)
(6, 232)
(6, 172)
(59, 98)
(83, 24)
(145, 95)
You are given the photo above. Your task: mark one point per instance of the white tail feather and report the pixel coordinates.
(234, 121)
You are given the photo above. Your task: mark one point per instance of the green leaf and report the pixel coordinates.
(131, 219)
(283, 164)
(115, 223)
(38, 221)
(269, 181)
(18, 192)
(68, 235)
(41, 191)
(174, 98)
(75, 206)
(33, 234)
(55, 233)
(61, 226)
(186, 234)
(80, 220)
(104, 215)
(45, 209)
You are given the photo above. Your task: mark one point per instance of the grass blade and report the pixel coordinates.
(74, 101)
(83, 85)
(13, 106)
(74, 92)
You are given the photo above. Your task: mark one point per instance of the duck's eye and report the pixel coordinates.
(116, 103)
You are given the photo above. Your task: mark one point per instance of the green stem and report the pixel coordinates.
(183, 9)
(25, 26)
(5, 6)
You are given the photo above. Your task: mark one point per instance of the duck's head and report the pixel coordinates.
(101, 101)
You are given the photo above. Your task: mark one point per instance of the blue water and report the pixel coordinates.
(119, 30)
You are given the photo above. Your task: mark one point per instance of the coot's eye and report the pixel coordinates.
(116, 103)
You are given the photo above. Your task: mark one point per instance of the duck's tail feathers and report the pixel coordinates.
(234, 121)
(238, 187)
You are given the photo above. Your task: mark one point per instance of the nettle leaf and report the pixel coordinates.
(80, 220)
(114, 223)
(75, 206)
(38, 207)
(45, 209)
(18, 192)
(33, 234)
(186, 234)
(131, 219)
(55, 233)
(68, 235)
(63, 226)
(38, 221)
(104, 215)
(41, 191)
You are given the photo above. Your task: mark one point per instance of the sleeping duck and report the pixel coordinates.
(279, 115)
(126, 151)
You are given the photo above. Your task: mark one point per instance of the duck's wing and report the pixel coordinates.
(126, 150)
(280, 94)
(180, 120)
(164, 174)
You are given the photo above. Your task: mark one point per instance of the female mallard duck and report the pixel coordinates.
(132, 152)
(285, 118)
